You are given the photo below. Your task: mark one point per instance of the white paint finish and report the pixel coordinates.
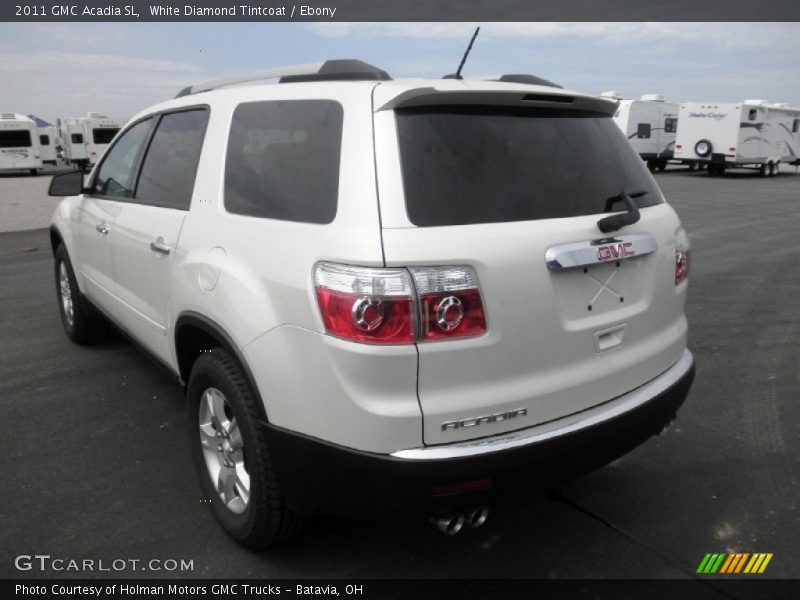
(631, 113)
(20, 157)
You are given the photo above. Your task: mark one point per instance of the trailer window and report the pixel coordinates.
(471, 164)
(116, 175)
(77, 138)
(751, 116)
(670, 125)
(15, 138)
(104, 135)
(283, 160)
(170, 167)
(44, 140)
(643, 131)
(796, 126)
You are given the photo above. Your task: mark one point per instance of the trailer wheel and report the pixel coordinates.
(651, 164)
(773, 169)
(662, 164)
(703, 148)
(763, 170)
(34, 172)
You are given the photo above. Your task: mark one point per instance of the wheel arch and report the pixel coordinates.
(195, 333)
(55, 238)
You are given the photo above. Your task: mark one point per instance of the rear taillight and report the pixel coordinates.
(399, 306)
(449, 302)
(682, 248)
(366, 304)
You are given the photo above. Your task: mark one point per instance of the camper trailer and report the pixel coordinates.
(753, 133)
(19, 144)
(86, 138)
(48, 140)
(650, 124)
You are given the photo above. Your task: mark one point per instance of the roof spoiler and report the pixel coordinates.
(330, 70)
(527, 79)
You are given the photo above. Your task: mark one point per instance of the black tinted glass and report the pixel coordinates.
(104, 135)
(15, 138)
(77, 138)
(283, 160)
(44, 140)
(465, 165)
(169, 169)
(643, 131)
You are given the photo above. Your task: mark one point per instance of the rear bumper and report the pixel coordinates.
(321, 478)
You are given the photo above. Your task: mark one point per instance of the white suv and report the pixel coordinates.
(384, 295)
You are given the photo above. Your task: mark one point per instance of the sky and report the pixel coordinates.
(60, 70)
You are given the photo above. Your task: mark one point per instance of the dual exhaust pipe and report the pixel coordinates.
(452, 522)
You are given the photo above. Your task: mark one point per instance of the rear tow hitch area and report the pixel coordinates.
(452, 522)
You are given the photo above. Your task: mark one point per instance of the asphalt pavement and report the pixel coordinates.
(95, 460)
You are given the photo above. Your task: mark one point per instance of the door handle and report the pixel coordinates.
(160, 246)
(102, 228)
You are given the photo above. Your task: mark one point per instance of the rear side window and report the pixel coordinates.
(15, 138)
(752, 114)
(44, 140)
(643, 131)
(77, 138)
(169, 169)
(464, 165)
(104, 135)
(283, 160)
(670, 125)
(116, 175)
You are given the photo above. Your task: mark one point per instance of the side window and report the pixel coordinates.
(283, 160)
(104, 135)
(751, 116)
(77, 138)
(796, 126)
(116, 176)
(44, 140)
(670, 125)
(643, 131)
(170, 167)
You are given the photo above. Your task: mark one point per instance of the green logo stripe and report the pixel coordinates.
(703, 563)
(717, 564)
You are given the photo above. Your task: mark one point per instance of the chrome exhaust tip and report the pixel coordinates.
(449, 523)
(477, 516)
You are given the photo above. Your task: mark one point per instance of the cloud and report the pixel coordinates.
(720, 35)
(26, 62)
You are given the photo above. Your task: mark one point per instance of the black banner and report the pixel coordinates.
(399, 10)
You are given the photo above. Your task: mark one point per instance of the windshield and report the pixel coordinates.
(471, 164)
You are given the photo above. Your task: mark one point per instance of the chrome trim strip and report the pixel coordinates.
(588, 252)
(561, 427)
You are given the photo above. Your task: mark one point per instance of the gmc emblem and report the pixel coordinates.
(615, 251)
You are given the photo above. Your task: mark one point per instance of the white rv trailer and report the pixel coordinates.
(753, 133)
(19, 144)
(48, 140)
(86, 138)
(650, 125)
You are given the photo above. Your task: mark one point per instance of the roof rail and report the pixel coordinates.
(330, 70)
(528, 79)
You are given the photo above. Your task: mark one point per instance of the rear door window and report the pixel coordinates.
(169, 169)
(77, 138)
(670, 125)
(471, 164)
(283, 160)
(643, 131)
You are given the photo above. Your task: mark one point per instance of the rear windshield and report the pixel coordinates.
(104, 135)
(468, 164)
(15, 138)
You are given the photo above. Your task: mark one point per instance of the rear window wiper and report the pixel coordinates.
(620, 220)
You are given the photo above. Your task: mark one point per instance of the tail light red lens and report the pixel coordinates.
(450, 302)
(382, 306)
(682, 254)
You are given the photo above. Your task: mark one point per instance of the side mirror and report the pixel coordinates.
(67, 184)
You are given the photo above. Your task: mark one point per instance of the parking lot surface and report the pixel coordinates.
(95, 458)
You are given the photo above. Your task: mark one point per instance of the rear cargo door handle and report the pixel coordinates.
(102, 228)
(160, 246)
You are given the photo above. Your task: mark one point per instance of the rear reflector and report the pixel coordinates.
(682, 248)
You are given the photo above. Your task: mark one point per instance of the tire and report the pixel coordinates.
(229, 448)
(703, 148)
(763, 170)
(712, 170)
(82, 323)
(34, 172)
(773, 169)
(661, 165)
(694, 166)
(651, 164)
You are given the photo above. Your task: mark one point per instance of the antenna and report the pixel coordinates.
(457, 74)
